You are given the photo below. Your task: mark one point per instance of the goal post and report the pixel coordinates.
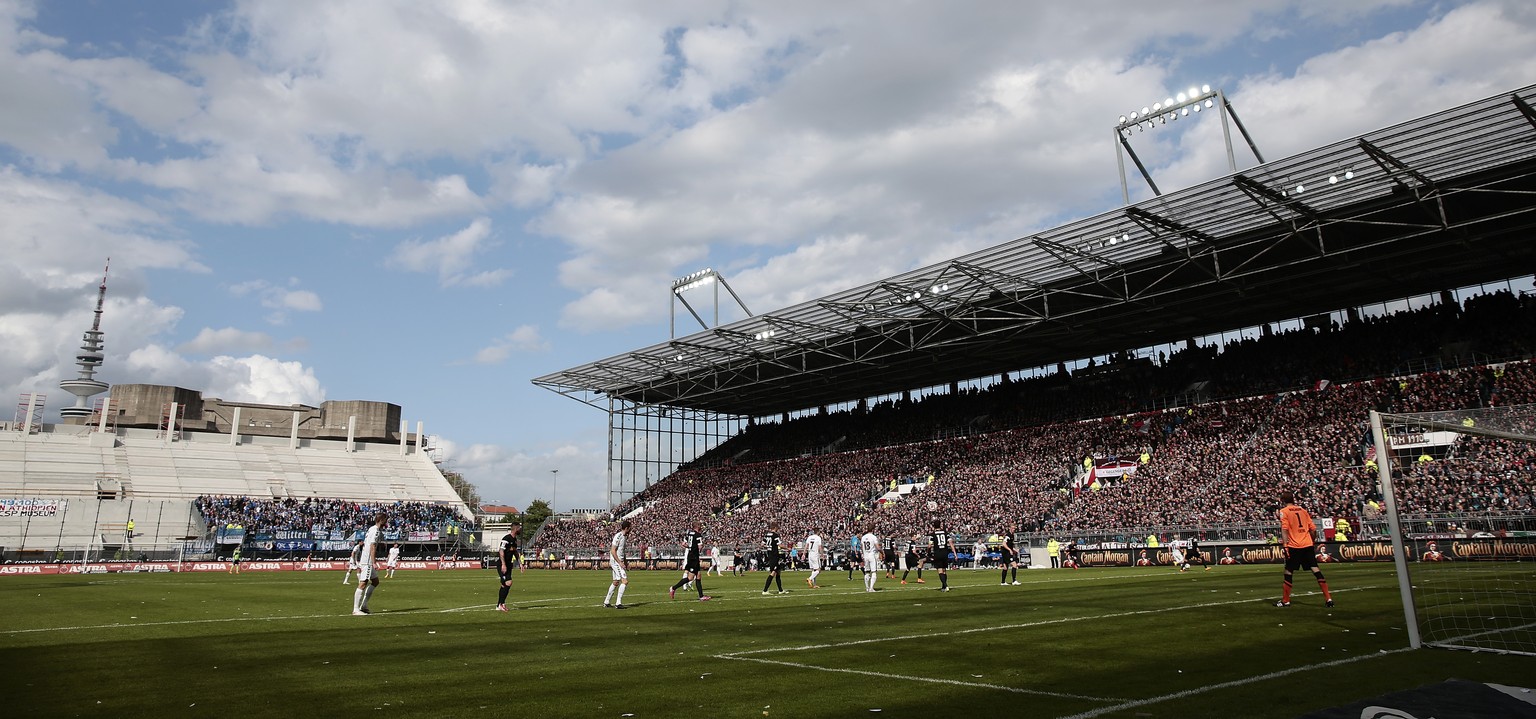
(1456, 488)
(1395, 530)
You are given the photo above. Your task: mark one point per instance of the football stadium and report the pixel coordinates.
(1043, 480)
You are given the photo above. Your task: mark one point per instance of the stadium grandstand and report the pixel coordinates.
(1158, 370)
(157, 473)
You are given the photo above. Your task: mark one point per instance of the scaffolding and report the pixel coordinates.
(104, 415)
(29, 412)
(172, 421)
(647, 442)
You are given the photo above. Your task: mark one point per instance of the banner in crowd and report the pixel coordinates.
(1112, 469)
(31, 507)
(231, 534)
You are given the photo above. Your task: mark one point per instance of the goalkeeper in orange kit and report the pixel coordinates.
(1299, 532)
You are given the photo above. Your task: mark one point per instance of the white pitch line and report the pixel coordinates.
(1234, 683)
(1025, 625)
(525, 601)
(932, 680)
(121, 625)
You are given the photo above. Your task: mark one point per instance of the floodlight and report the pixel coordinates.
(1171, 108)
(1300, 188)
(1349, 174)
(1333, 179)
(1113, 239)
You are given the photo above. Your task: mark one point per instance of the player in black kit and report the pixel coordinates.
(772, 557)
(506, 556)
(913, 561)
(942, 545)
(1195, 554)
(889, 555)
(1009, 558)
(691, 542)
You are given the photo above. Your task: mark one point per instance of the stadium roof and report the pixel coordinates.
(1442, 201)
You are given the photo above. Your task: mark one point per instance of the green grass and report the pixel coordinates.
(1064, 643)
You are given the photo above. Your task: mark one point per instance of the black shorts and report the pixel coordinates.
(691, 564)
(1300, 559)
(890, 557)
(1004, 557)
(772, 562)
(941, 559)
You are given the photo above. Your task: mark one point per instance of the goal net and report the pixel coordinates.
(1458, 492)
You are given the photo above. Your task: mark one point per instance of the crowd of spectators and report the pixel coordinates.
(321, 515)
(1492, 326)
(1219, 463)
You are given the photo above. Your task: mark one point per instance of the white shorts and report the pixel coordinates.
(871, 561)
(1178, 557)
(392, 565)
(365, 573)
(619, 573)
(815, 564)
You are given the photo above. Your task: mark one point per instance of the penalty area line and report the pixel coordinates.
(1024, 625)
(908, 678)
(1233, 683)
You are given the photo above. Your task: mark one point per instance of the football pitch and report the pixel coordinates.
(1133, 642)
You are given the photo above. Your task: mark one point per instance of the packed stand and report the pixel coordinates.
(1208, 464)
(321, 515)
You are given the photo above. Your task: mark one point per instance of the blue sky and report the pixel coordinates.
(432, 203)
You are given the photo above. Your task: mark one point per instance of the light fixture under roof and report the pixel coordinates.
(1176, 105)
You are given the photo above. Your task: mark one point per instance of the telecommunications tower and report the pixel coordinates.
(86, 385)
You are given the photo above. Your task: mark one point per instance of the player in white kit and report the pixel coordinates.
(813, 552)
(357, 550)
(869, 546)
(620, 569)
(367, 579)
(1177, 549)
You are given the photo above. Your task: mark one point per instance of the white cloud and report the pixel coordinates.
(451, 257)
(525, 338)
(254, 378)
(279, 298)
(517, 477)
(228, 339)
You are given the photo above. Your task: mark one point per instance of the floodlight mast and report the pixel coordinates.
(1172, 109)
(706, 276)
